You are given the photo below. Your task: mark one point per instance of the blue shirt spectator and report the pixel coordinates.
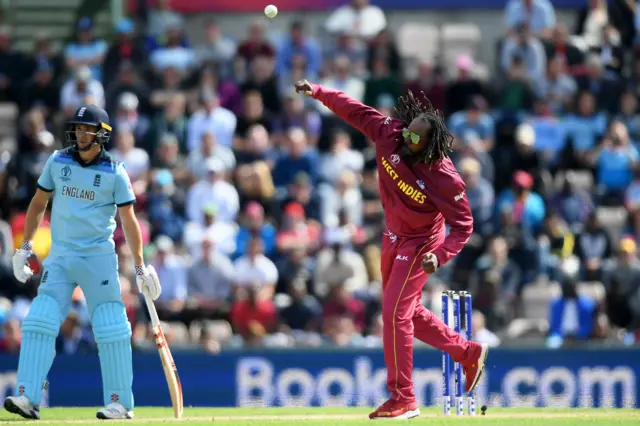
(527, 48)
(298, 44)
(570, 315)
(480, 195)
(254, 223)
(473, 124)
(299, 158)
(526, 206)
(86, 50)
(549, 136)
(615, 165)
(538, 14)
(585, 128)
(174, 53)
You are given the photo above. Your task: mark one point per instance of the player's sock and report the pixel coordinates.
(113, 336)
(38, 348)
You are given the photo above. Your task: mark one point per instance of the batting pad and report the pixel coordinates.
(39, 331)
(112, 332)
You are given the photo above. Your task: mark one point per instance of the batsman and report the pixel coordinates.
(420, 190)
(88, 187)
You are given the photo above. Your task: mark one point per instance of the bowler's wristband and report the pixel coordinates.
(26, 245)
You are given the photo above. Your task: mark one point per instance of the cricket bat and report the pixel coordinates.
(168, 365)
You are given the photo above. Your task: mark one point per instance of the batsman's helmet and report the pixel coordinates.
(90, 115)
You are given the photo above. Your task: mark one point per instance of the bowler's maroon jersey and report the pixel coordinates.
(417, 198)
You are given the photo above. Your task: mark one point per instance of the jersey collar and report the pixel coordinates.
(96, 160)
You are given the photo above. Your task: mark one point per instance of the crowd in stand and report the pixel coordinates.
(260, 209)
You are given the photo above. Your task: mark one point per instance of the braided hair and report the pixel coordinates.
(440, 139)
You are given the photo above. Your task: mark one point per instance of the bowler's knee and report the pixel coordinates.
(44, 316)
(110, 323)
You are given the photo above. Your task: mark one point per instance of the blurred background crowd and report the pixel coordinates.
(260, 209)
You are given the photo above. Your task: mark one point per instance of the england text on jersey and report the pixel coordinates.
(81, 194)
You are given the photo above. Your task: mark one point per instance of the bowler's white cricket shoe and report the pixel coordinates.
(114, 411)
(21, 406)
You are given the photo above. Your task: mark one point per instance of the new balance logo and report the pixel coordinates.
(105, 282)
(45, 276)
(96, 181)
(399, 257)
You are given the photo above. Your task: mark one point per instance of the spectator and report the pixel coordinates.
(481, 333)
(254, 224)
(528, 49)
(593, 247)
(557, 88)
(45, 56)
(298, 158)
(210, 80)
(345, 197)
(526, 206)
(252, 316)
(168, 156)
(348, 45)
(571, 316)
(594, 80)
(495, 283)
(127, 118)
(220, 236)
(298, 43)
(342, 79)
(255, 270)
(213, 190)
(629, 115)
(340, 158)
(549, 135)
(160, 18)
(615, 160)
(623, 290)
(464, 86)
(128, 81)
(174, 52)
(263, 79)
(12, 68)
(304, 312)
(72, 338)
(473, 124)
(42, 92)
(381, 83)
(296, 231)
(516, 93)
(384, 48)
(611, 52)
(584, 130)
(632, 195)
(338, 266)
(480, 195)
(572, 203)
(169, 84)
(560, 47)
(209, 148)
(340, 303)
(430, 82)
(217, 49)
(170, 121)
(211, 117)
(172, 273)
(136, 160)
(539, 15)
(256, 44)
(126, 49)
(86, 51)
(301, 192)
(295, 115)
(80, 90)
(253, 113)
(591, 21)
(557, 243)
(295, 268)
(209, 281)
(164, 205)
(358, 18)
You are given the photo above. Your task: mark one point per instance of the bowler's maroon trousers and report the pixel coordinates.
(417, 199)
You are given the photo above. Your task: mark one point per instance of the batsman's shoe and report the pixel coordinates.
(474, 366)
(114, 411)
(21, 406)
(393, 409)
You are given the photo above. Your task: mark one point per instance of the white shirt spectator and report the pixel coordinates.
(72, 98)
(332, 165)
(136, 161)
(222, 234)
(220, 121)
(366, 22)
(214, 192)
(259, 271)
(180, 58)
(196, 160)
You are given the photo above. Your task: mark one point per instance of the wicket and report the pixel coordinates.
(457, 309)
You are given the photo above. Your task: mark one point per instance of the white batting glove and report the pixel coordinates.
(147, 281)
(21, 270)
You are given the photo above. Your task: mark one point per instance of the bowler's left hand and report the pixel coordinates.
(147, 281)
(430, 263)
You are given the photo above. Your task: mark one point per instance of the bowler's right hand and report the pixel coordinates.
(21, 270)
(305, 87)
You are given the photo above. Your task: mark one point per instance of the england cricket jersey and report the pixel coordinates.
(85, 198)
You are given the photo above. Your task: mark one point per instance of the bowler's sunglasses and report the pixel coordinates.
(408, 134)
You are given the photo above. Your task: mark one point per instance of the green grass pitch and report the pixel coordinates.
(339, 416)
